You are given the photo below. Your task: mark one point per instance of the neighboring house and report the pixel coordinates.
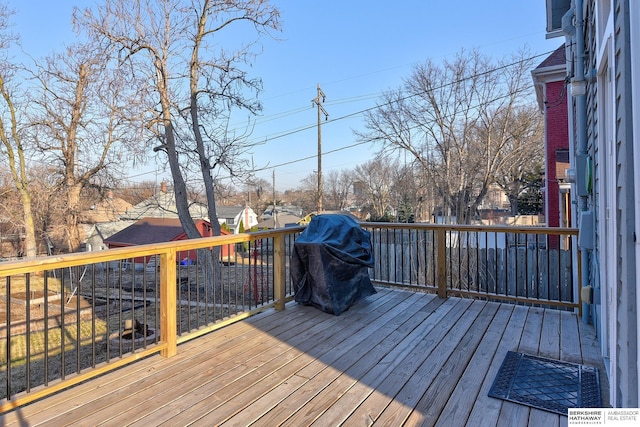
(157, 230)
(106, 210)
(237, 218)
(280, 220)
(281, 209)
(281, 216)
(550, 79)
(97, 233)
(495, 199)
(603, 95)
(163, 205)
(102, 220)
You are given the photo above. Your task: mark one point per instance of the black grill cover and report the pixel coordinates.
(329, 264)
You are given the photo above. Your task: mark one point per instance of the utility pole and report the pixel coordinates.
(275, 218)
(317, 101)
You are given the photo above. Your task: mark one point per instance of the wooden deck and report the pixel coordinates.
(396, 358)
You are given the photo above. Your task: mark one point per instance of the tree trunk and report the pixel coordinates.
(18, 167)
(30, 246)
(72, 216)
(209, 264)
(179, 186)
(513, 203)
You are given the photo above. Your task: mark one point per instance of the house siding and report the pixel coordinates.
(597, 198)
(621, 215)
(627, 349)
(611, 266)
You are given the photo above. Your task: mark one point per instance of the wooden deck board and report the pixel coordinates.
(571, 350)
(389, 355)
(135, 375)
(467, 390)
(486, 409)
(365, 349)
(379, 398)
(408, 397)
(431, 404)
(250, 343)
(511, 413)
(396, 357)
(549, 347)
(328, 354)
(321, 337)
(354, 365)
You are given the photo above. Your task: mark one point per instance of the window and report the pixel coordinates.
(555, 11)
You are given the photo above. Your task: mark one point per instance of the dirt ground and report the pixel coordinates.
(110, 303)
(19, 306)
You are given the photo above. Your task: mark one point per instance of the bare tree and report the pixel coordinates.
(446, 118)
(194, 84)
(225, 192)
(135, 193)
(197, 83)
(407, 191)
(12, 128)
(522, 155)
(308, 193)
(259, 193)
(47, 206)
(336, 189)
(217, 85)
(11, 226)
(375, 181)
(84, 116)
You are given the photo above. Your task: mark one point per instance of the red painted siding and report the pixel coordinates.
(556, 138)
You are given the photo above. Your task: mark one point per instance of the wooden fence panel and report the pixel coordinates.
(524, 269)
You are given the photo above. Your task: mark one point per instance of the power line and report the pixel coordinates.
(409, 96)
(363, 111)
(303, 128)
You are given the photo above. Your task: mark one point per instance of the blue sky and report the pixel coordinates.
(355, 50)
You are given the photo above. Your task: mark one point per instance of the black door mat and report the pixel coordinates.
(546, 384)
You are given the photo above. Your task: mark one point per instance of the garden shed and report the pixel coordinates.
(158, 230)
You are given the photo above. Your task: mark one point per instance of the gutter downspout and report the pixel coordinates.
(581, 133)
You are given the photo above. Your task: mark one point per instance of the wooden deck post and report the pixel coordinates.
(441, 261)
(168, 303)
(279, 271)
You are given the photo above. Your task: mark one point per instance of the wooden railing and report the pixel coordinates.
(70, 318)
(527, 265)
(73, 317)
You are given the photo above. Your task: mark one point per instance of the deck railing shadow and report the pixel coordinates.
(70, 318)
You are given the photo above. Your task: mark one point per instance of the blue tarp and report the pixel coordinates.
(330, 262)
